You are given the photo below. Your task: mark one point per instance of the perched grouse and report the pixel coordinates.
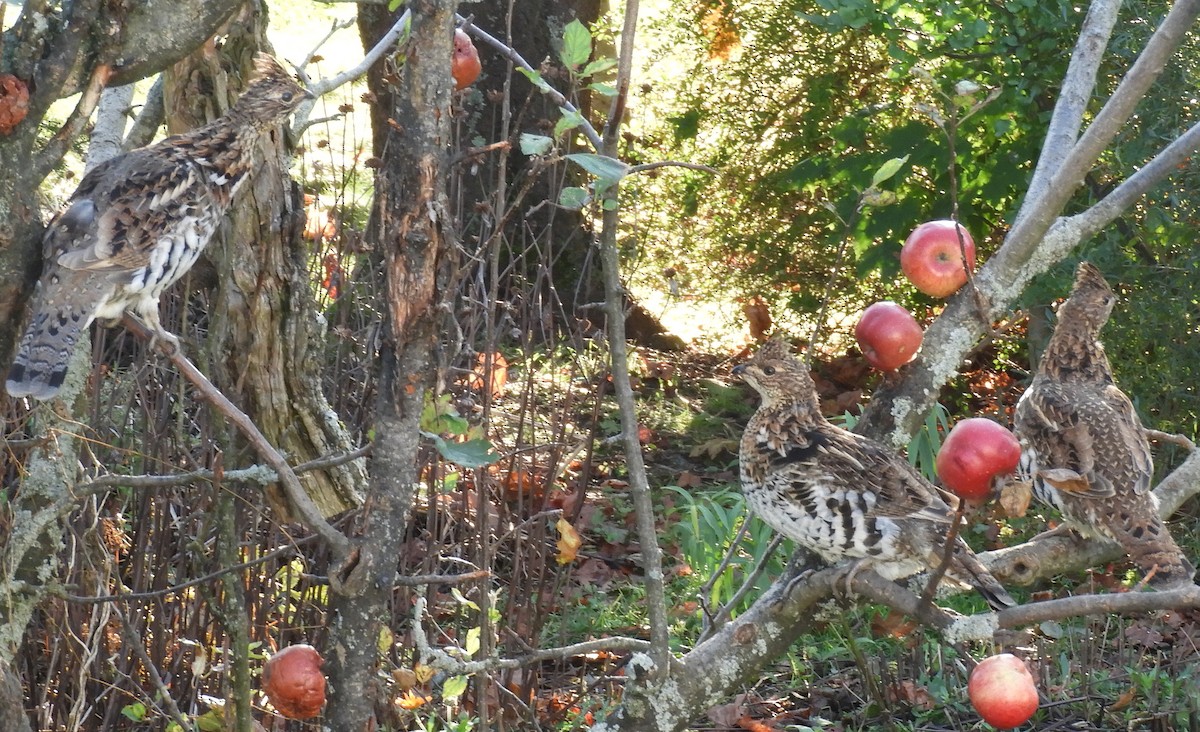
(1083, 445)
(136, 223)
(840, 494)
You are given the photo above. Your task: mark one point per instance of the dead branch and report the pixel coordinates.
(260, 474)
(300, 121)
(308, 511)
(445, 661)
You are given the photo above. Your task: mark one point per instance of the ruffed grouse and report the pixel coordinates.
(136, 223)
(839, 494)
(1083, 445)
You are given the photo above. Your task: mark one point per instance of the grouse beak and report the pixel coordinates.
(739, 369)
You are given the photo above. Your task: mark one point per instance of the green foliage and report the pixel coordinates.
(707, 523)
(820, 98)
(439, 417)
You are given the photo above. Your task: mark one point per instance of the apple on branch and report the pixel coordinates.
(888, 335)
(932, 257)
(973, 454)
(1003, 691)
(464, 64)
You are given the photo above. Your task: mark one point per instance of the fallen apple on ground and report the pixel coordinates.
(1002, 690)
(293, 681)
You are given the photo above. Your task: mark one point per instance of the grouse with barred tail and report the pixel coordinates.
(840, 494)
(137, 223)
(1083, 445)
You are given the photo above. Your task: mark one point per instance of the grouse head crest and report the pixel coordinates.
(1091, 300)
(272, 95)
(777, 375)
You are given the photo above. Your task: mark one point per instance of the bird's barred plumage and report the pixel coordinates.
(137, 223)
(1083, 445)
(840, 494)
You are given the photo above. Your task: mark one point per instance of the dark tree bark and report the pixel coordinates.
(411, 231)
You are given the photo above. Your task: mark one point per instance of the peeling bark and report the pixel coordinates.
(411, 230)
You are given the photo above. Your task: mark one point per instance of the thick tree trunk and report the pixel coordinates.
(264, 345)
(411, 229)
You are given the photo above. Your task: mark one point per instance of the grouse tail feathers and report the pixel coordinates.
(1160, 558)
(41, 363)
(965, 567)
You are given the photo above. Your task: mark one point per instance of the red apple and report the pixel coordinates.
(975, 452)
(932, 258)
(292, 680)
(464, 65)
(888, 335)
(1002, 690)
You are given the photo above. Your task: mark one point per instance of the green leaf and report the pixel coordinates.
(887, 170)
(607, 90)
(454, 687)
(570, 120)
(135, 711)
(394, 4)
(463, 599)
(609, 204)
(536, 144)
(210, 721)
(572, 197)
(577, 45)
(603, 167)
(469, 454)
(472, 644)
(598, 65)
(536, 78)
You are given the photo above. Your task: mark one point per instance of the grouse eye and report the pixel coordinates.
(287, 96)
(768, 370)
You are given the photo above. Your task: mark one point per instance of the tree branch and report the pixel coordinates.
(308, 511)
(54, 150)
(555, 95)
(260, 474)
(1077, 88)
(440, 659)
(324, 86)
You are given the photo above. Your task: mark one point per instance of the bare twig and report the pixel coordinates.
(155, 594)
(614, 291)
(324, 86)
(139, 649)
(304, 506)
(254, 474)
(670, 164)
(555, 95)
(416, 580)
(440, 659)
(56, 147)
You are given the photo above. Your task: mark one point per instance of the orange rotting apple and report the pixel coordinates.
(976, 451)
(1002, 690)
(464, 65)
(932, 258)
(293, 681)
(888, 335)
